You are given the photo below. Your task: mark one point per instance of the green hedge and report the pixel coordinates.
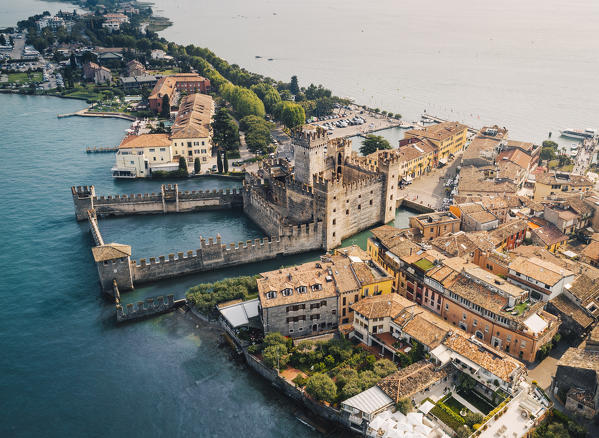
(448, 416)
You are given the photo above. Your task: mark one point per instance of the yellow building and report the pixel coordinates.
(357, 276)
(555, 184)
(448, 137)
(191, 133)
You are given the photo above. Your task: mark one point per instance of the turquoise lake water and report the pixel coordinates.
(67, 368)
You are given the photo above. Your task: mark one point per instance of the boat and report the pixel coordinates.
(578, 133)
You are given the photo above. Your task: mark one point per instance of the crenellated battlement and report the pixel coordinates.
(168, 200)
(305, 137)
(149, 307)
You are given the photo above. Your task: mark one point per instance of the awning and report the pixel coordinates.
(426, 407)
(443, 160)
(239, 314)
(369, 401)
(407, 178)
(535, 323)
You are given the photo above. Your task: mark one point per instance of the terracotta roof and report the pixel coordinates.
(585, 290)
(481, 148)
(523, 145)
(307, 275)
(540, 270)
(494, 361)
(438, 132)
(478, 294)
(502, 232)
(167, 84)
(549, 235)
(592, 250)
(461, 243)
(483, 217)
(411, 380)
(110, 251)
(579, 358)
(381, 306)
(423, 326)
(193, 117)
(550, 178)
(571, 309)
(145, 141)
(515, 156)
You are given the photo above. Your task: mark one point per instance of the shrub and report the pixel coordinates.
(447, 416)
(300, 381)
(404, 406)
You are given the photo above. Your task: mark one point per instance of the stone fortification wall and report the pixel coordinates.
(147, 308)
(262, 212)
(300, 202)
(94, 228)
(350, 208)
(290, 390)
(169, 200)
(215, 255)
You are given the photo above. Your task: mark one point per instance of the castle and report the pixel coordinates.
(328, 185)
(328, 196)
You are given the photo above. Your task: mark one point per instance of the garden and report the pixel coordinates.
(331, 371)
(206, 296)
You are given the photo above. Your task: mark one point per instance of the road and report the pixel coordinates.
(585, 156)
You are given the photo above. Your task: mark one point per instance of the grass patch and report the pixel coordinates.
(24, 78)
(448, 416)
(424, 264)
(454, 405)
(477, 401)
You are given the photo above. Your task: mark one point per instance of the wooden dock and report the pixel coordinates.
(96, 150)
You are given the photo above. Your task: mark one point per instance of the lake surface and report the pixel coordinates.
(13, 11)
(67, 369)
(527, 65)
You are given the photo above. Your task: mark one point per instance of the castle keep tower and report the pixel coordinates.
(309, 153)
(83, 198)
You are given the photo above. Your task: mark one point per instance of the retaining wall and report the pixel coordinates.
(147, 308)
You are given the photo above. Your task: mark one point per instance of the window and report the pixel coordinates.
(347, 212)
(287, 292)
(301, 289)
(334, 221)
(162, 149)
(317, 286)
(446, 306)
(344, 301)
(315, 316)
(522, 344)
(271, 294)
(333, 312)
(475, 323)
(366, 292)
(463, 316)
(370, 202)
(314, 306)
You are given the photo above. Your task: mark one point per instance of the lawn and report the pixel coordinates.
(455, 405)
(23, 78)
(477, 401)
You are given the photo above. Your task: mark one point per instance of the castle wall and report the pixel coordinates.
(149, 307)
(300, 203)
(169, 200)
(215, 255)
(262, 213)
(117, 269)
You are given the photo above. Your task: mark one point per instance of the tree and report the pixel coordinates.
(351, 388)
(384, 367)
(321, 387)
(290, 114)
(373, 143)
(368, 379)
(166, 107)
(196, 166)
(275, 356)
(243, 100)
(2, 39)
(473, 418)
(404, 406)
(73, 61)
(225, 131)
(219, 162)
(548, 153)
(346, 375)
(550, 144)
(182, 165)
(225, 162)
(294, 85)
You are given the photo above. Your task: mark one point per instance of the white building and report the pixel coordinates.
(139, 155)
(543, 279)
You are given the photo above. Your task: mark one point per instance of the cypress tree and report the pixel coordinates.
(225, 162)
(196, 166)
(166, 107)
(183, 165)
(219, 162)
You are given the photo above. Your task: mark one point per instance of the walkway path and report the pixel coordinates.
(84, 113)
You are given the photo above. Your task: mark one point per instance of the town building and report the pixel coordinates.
(190, 138)
(140, 155)
(474, 217)
(298, 301)
(557, 184)
(135, 82)
(484, 181)
(50, 22)
(113, 21)
(135, 68)
(448, 137)
(417, 156)
(96, 73)
(435, 224)
(577, 377)
(542, 279)
(548, 236)
(170, 86)
(191, 133)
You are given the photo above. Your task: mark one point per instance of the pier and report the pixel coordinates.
(85, 113)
